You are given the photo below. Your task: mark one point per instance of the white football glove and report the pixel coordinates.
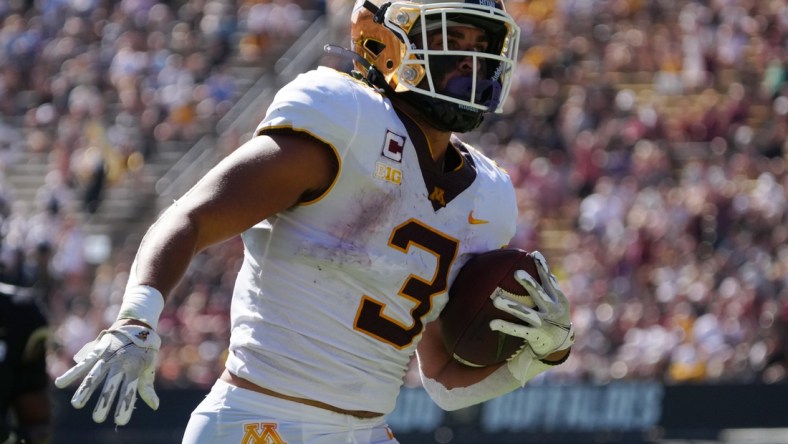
(126, 354)
(547, 328)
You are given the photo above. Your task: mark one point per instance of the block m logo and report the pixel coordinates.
(261, 433)
(438, 196)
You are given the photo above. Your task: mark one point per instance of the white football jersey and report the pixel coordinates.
(334, 293)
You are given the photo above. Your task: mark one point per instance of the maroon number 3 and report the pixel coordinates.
(370, 318)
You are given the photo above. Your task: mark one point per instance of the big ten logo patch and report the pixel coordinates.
(261, 433)
(387, 173)
(393, 146)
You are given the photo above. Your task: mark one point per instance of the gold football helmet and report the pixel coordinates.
(392, 39)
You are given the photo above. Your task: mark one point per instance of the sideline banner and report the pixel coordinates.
(618, 412)
(575, 408)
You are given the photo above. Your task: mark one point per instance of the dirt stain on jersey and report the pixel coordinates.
(356, 233)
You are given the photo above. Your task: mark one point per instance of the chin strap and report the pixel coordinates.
(443, 115)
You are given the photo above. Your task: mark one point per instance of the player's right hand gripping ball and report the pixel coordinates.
(125, 355)
(465, 320)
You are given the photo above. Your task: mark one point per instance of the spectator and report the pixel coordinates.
(25, 409)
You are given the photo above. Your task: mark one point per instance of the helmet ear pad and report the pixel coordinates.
(379, 46)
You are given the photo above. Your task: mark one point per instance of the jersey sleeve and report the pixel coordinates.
(323, 103)
(504, 195)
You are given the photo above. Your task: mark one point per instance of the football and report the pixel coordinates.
(465, 320)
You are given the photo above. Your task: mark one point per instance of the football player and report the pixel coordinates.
(357, 205)
(25, 415)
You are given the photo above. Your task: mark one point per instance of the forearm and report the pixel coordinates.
(496, 384)
(437, 364)
(453, 385)
(500, 382)
(162, 259)
(165, 252)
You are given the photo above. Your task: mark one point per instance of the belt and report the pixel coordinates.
(244, 384)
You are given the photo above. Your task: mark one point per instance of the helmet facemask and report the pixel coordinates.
(490, 77)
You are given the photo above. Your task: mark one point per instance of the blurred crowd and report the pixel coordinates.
(646, 139)
(90, 89)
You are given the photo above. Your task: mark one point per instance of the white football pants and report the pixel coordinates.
(232, 415)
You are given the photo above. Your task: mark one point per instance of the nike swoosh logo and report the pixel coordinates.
(473, 221)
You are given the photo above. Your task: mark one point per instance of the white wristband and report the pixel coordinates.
(142, 303)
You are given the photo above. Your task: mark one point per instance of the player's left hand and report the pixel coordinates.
(125, 354)
(547, 328)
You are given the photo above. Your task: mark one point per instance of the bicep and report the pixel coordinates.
(266, 175)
